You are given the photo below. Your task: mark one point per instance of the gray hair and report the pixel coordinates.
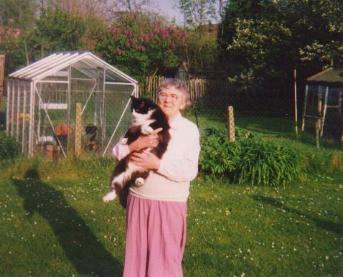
(178, 85)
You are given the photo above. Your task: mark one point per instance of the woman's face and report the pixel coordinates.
(171, 101)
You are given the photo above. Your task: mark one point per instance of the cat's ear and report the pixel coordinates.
(134, 100)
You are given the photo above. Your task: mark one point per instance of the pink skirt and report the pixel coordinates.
(155, 238)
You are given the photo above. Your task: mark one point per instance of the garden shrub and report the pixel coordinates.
(217, 156)
(9, 148)
(266, 163)
(249, 160)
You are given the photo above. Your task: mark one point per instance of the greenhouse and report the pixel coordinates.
(69, 103)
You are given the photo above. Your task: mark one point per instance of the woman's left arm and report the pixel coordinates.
(183, 167)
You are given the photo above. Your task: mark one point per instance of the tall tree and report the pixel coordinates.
(200, 12)
(17, 17)
(201, 48)
(317, 28)
(57, 30)
(132, 5)
(17, 13)
(100, 8)
(263, 39)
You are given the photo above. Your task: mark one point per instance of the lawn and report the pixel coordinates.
(53, 222)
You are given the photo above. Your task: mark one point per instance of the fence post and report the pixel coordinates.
(319, 122)
(231, 124)
(2, 75)
(317, 127)
(78, 130)
(295, 102)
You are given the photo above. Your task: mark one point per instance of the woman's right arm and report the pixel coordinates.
(122, 149)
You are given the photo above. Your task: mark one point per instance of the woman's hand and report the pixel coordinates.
(145, 141)
(146, 160)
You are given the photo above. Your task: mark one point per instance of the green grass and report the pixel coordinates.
(53, 222)
(235, 230)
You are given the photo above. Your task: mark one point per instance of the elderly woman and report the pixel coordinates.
(156, 211)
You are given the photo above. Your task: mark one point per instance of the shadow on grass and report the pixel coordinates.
(81, 247)
(324, 224)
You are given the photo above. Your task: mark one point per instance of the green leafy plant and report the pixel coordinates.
(217, 156)
(9, 148)
(266, 163)
(249, 160)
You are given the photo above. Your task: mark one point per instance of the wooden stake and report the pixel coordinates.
(231, 124)
(295, 103)
(323, 111)
(318, 120)
(78, 130)
(304, 109)
(2, 76)
(317, 132)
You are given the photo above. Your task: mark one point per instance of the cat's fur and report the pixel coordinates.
(146, 117)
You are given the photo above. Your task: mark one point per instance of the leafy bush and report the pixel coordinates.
(217, 156)
(249, 160)
(9, 149)
(266, 163)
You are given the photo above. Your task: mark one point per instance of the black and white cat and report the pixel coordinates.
(146, 117)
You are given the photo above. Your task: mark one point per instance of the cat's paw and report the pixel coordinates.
(109, 196)
(147, 130)
(139, 182)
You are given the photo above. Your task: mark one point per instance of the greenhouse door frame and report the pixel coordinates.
(17, 108)
(135, 92)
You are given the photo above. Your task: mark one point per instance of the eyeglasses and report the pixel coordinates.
(173, 97)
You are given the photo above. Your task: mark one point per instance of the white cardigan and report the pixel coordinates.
(179, 164)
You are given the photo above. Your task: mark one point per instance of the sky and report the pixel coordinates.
(168, 8)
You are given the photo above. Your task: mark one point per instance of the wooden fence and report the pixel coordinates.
(198, 88)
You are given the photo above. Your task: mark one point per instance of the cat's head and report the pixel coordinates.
(142, 105)
(142, 110)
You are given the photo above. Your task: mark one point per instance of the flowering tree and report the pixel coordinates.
(140, 44)
(263, 41)
(259, 48)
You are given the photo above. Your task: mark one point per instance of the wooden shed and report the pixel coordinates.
(323, 101)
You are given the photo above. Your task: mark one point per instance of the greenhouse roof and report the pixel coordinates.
(55, 65)
(330, 75)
